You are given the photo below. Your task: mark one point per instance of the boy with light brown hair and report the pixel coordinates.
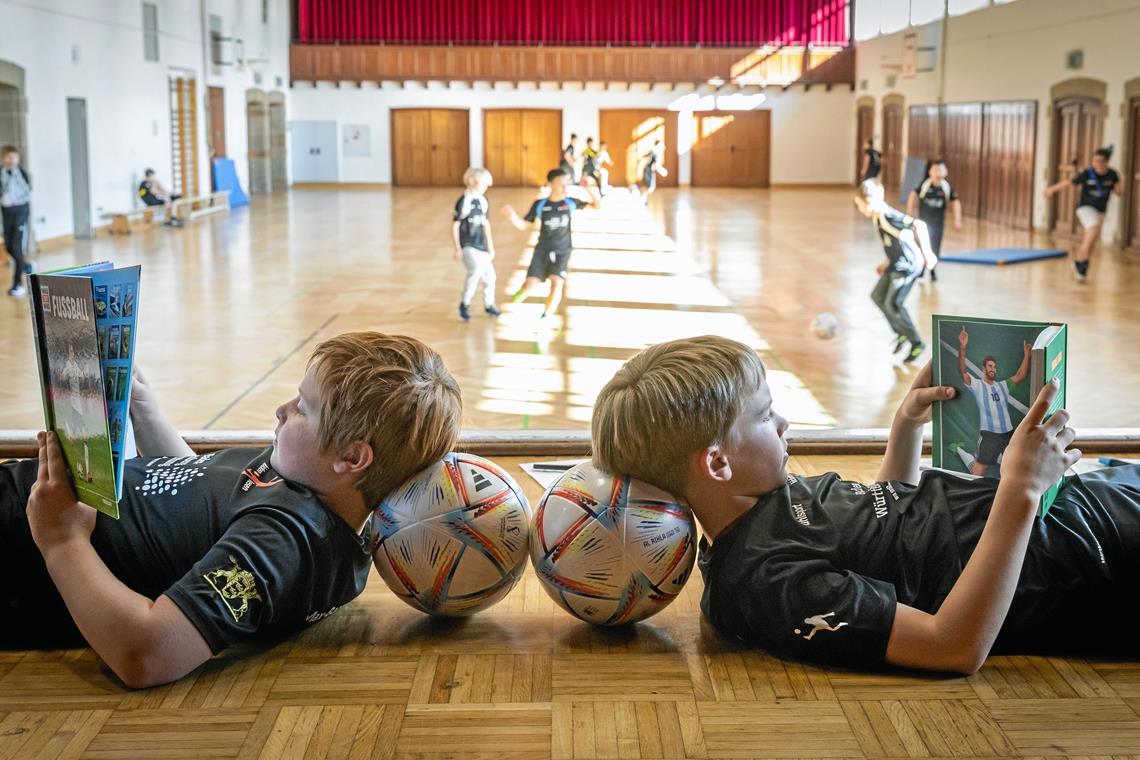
(229, 545)
(924, 570)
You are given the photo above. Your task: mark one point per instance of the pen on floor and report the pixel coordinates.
(551, 466)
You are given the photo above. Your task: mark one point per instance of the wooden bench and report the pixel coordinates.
(185, 209)
(121, 221)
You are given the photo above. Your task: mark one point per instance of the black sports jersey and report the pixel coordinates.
(554, 234)
(896, 231)
(238, 549)
(471, 213)
(1095, 188)
(874, 163)
(146, 193)
(933, 198)
(815, 570)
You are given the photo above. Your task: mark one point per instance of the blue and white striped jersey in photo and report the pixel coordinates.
(993, 404)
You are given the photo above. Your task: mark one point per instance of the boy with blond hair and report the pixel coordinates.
(471, 233)
(230, 545)
(923, 570)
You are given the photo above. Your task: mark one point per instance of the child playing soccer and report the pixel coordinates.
(551, 255)
(231, 545)
(471, 232)
(919, 569)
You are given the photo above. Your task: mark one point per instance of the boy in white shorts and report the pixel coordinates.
(1096, 183)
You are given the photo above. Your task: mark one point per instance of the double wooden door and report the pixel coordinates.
(630, 133)
(1131, 179)
(521, 145)
(430, 146)
(1077, 125)
(732, 149)
(892, 149)
(864, 131)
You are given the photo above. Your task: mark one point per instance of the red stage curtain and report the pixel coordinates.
(713, 23)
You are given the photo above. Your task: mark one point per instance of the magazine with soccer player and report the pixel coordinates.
(83, 322)
(998, 366)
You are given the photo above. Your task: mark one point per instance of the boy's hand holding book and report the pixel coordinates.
(1038, 454)
(56, 517)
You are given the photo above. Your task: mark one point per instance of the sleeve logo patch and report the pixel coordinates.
(236, 586)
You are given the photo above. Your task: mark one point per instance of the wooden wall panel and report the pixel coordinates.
(892, 148)
(732, 149)
(521, 145)
(1076, 134)
(1131, 179)
(629, 134)
(864, 131)
(430, 146)
(962, 149)
(924, 132)
(1009, 147)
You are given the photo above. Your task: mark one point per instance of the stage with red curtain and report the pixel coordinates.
(711, 23)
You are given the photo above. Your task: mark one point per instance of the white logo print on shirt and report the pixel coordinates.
(819, 623)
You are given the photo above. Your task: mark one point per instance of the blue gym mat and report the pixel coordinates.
(1000, 256)
(225, 178)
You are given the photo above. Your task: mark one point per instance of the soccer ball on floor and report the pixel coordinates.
(453, 540)
(611, 550)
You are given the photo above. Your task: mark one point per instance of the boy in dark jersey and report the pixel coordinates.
(569, 162)
(872, 162)
(590, 164)
(1097, 182)
(15, 211)
(151, 191)
(906, 244)
(551, 255)
(471, 232)
(919, 569)
(229, 545)
(929, 202)
(650, 168)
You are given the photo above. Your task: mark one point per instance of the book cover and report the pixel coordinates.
(998, 368)
(75, 406)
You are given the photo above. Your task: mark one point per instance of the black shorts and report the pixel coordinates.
(991, 446)
(545, 264)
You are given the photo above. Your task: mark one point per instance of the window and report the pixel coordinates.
(150, 31)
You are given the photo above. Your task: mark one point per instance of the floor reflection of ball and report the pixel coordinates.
(824, 326)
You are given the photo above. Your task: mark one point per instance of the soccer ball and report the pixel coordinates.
(453, 540)
(825, 325)
(611, 550)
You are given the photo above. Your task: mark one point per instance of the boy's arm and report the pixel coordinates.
(922, 236)
(458, 254)
(513, 217)
(904, 446)
(957, 213)
(912, 203)
(959, 636)
(963, 340)
(1023, 370)
(490, 239)
(145, 643)
(154, 435)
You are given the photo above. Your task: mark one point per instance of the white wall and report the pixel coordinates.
(812, 131)
(93, 49)
(1018, 52)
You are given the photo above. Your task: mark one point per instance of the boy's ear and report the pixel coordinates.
(712, 464)
(356, 458)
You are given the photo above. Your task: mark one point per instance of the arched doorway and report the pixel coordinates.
(1078, 125)
(1130, 216)
(257, 130)
(278, 160)
(864, 131)
(892, 146)
(13, 108)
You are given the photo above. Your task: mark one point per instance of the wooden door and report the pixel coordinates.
(732, 149)
(962, 150)
(1132, 179)
(1076, 132)
(429, 146)
(892, 148)
(1009, 147)
(630, 134)
(521, 145)
(217, 122)
(864, 131)
(924, 132)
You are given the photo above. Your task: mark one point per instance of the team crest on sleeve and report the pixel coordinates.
(236, 586)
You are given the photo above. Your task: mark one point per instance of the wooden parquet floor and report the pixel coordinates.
(526, 680)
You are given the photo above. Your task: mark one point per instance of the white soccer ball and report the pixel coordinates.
(825, 325)
(611, 550)
(453, 540)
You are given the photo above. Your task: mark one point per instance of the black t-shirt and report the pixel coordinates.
(815, 570)
(933, 198)
(471, 213)
(146, 192)
(239, 550)
(874, 163)
(554, 234)
(1095, 188)
(896, 231)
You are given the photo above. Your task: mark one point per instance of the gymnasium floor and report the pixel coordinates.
(231, 306)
